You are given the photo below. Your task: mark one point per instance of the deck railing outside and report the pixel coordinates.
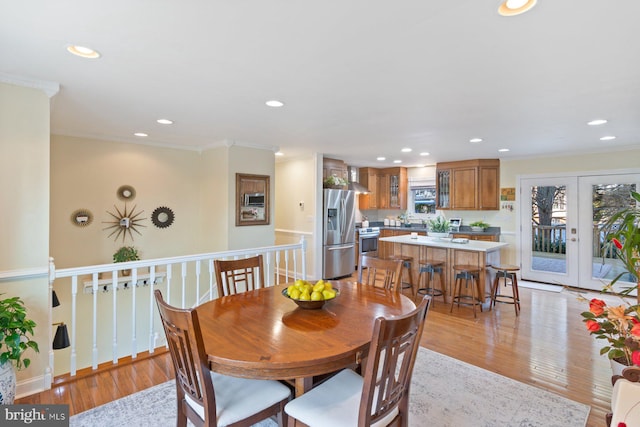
(113, 316)
(552, 239)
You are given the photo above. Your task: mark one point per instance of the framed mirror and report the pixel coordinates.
(252, 199)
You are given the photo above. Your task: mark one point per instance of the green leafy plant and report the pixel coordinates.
(335, 181)
(126, 253)
(623, 236)
(480, 224)
(438, 225)
(15, 330)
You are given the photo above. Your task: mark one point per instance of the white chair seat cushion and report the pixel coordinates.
(625, 403)
(334, 403)
(239, 398)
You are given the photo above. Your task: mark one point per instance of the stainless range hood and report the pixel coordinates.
(353, 181)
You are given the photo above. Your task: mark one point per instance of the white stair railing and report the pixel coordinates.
(107, 309)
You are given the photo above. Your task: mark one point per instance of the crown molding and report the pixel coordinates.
(49, 88)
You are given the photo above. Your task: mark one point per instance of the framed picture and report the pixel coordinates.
(252, 199)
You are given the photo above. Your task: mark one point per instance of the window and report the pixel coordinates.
(422, 200)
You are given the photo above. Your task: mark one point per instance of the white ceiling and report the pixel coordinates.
(360, 78)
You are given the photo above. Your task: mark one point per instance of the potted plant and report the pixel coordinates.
(335, 182)
(478, 226)
(438, 227)
(15, 332)
(124, 254)
(619, 326)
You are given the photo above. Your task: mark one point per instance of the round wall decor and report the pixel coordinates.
(82, 217)
(126, 192)
(162, 217)
(124, 222)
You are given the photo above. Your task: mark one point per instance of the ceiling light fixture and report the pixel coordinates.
(406, 150)
(140, 134)
(274, 103)
(607, 138)
(381, 158)
(503, 150)
(515, 7)
(83, 52)
(597, 122)
(475, 140)
(424, 153)
(279, 153)
(397, 161)
(165, 121)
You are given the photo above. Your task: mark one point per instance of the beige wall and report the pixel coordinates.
(297, 182)
(24, 198)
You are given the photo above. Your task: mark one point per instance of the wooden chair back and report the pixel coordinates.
(389, 366)
(239, 275)
(622, 402)
(385, 273)
(189, 358)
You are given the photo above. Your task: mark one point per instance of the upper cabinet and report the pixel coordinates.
(468, 185)
(334, 167)
(388, 188)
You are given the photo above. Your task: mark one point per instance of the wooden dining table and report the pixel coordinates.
(263, 334)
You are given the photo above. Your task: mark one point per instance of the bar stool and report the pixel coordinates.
(466, 273)
(505, 272)
(431, 267)
(407, 262)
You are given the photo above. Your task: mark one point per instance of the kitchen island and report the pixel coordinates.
(472, 252)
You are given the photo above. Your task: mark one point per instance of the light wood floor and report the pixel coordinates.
(547, 346)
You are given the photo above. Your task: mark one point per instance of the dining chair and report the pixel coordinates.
(239, 275)
(380, 397)
(205, 397)
(625, 398)
(381, 272)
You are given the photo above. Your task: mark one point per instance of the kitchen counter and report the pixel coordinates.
(471, 245)
(478, 253)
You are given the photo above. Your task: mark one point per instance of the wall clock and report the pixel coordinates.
(162, 217)
(124, 222)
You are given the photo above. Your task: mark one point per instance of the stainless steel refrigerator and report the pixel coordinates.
(339, 244)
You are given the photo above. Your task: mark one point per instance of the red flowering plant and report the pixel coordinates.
(619, 326)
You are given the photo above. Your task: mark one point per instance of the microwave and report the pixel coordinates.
(254, 199)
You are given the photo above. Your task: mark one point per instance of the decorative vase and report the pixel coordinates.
(617, 367)
(7, 383)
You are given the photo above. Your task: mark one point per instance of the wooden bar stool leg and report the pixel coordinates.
(516, 293)
(456, 293)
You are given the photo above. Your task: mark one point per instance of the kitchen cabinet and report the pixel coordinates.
(388, 188)
(369, 178)
(481, 237)
(468, 185)
(334, 167)
(386, 249)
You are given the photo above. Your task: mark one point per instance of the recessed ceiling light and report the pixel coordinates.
(397, 161)
(406, 150)
(83, 52)
(279, 153)
(140, 134)
(381, 158)
(424, 153)
(515, 7)
(274, 103)
(165, 121)
(607, 138)
(503, 150)
(597, 122)
(475, 140)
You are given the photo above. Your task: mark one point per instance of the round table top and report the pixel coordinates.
(263, 334)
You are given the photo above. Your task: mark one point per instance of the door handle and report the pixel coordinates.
(342, 247)
(573, 239)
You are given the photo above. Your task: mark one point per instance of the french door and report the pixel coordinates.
(560, 233)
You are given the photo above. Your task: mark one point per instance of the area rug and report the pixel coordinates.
(444, 392)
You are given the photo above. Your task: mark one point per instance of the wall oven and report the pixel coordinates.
(368, 241)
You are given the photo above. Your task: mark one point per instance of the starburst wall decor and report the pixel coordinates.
(124, 222)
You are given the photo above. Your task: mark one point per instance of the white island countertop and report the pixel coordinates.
(446, 243)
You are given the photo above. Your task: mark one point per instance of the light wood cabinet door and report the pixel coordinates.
(488, 188)
(383, 191)
(464, 191)
(334, 167)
